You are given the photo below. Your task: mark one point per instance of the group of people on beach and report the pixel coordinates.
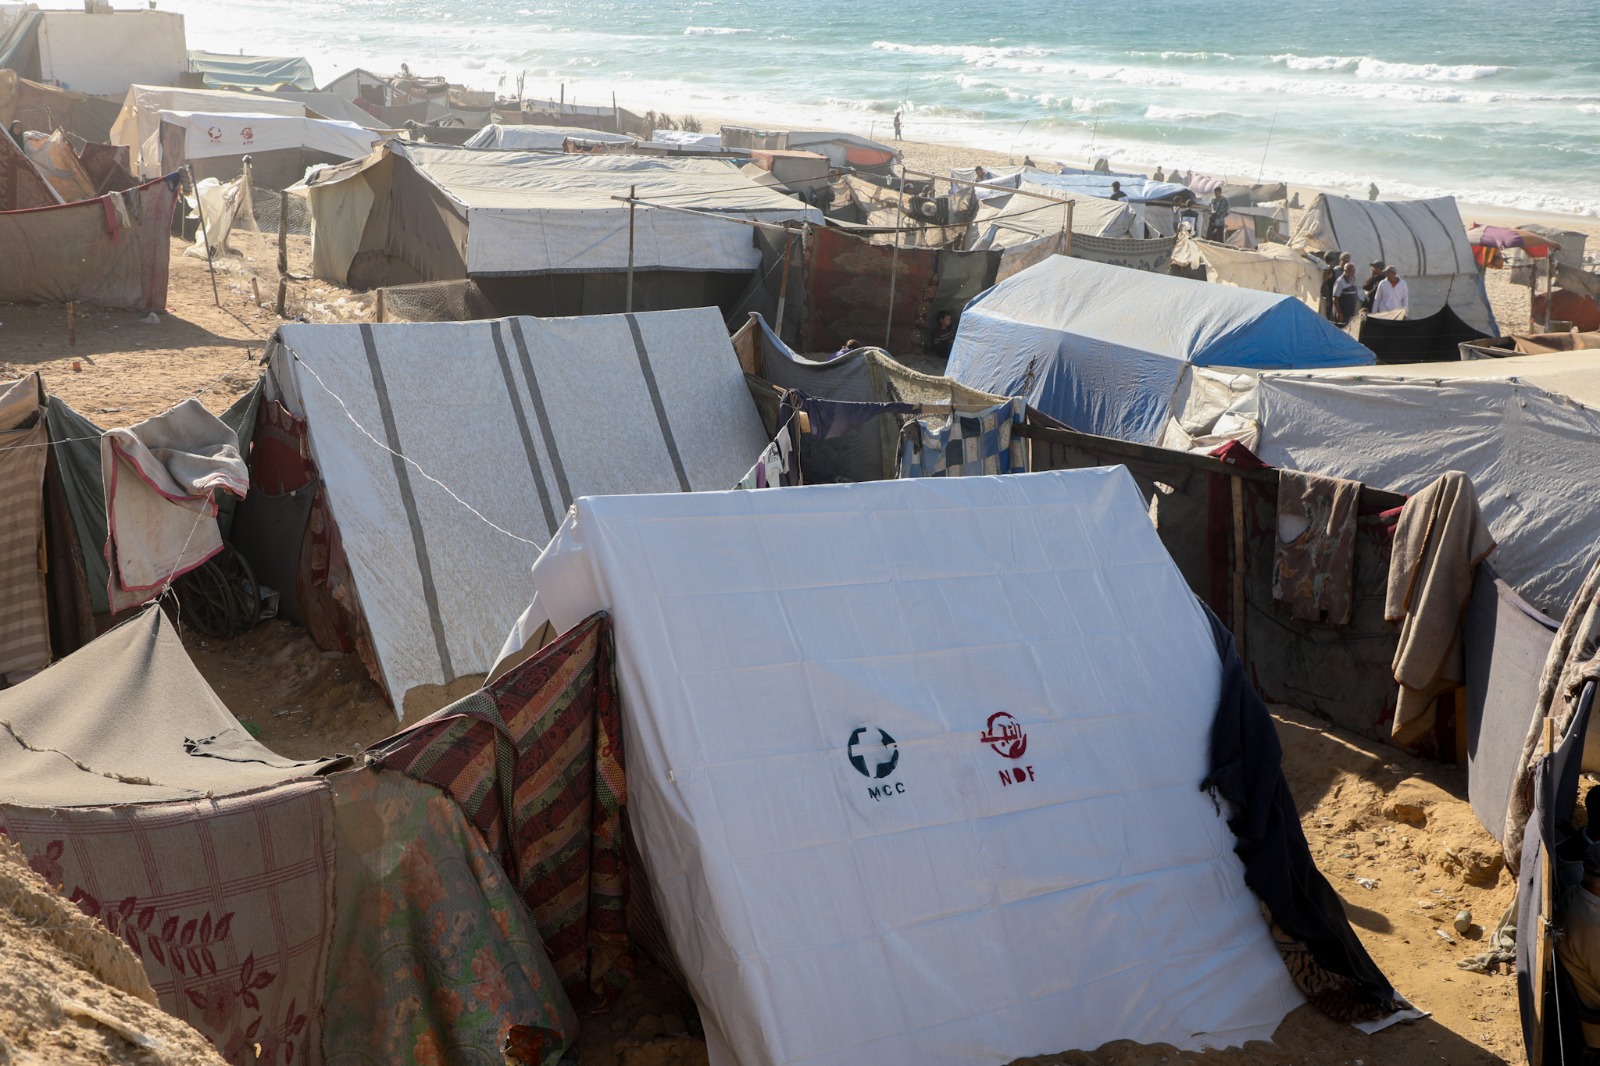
(1383, 291)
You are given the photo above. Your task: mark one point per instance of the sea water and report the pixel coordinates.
(1496, 103)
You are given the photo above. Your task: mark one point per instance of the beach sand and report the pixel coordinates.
(123, 368)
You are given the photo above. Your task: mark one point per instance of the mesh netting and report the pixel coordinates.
(435, 301)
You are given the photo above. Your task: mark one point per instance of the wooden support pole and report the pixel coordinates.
(633, 191)
(200, 211)
(894, 269)
(283, 232)
(72, 329)
(783, 284)
(255, 289)
(378, 302)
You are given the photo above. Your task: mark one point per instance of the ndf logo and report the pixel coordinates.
(875, 758)
(1005, 738)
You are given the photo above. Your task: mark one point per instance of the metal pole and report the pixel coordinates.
(633, 191)
(894, 266)
(1549, 287)
(204, 236)
(783, 285)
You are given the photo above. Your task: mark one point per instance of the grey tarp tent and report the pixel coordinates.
(1424, 240)
(518, 417)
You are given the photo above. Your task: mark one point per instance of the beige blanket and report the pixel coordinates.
(1439, 542)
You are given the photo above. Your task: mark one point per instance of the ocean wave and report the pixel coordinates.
(712, 31)
(1368, 67)
(1091, 103)
(1158, 113)
(971, 54)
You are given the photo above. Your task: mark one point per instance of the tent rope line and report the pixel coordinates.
(407, 459)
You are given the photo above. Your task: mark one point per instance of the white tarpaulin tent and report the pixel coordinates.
(1525, 429)
(518, 417)
(206, 135)
(138, 127)
(1425, 240)
(540, 138)
(912, 766)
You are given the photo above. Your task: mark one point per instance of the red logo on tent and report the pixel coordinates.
(214, 134)
(1004, 734)
(248, 134)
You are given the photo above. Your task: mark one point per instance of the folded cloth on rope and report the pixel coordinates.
(535, 760)
(1313, 564)
(159, 478)
(966, 444)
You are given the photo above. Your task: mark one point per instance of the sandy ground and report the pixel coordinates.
(1372, 815)
(71, 993)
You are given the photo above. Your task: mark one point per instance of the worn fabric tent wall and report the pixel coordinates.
(1526, 430)
(519, 417)
(222, 71)
(139, 123)
(1101, 348)
(280, 147)
(227, 868)
(899, 752)
(1265, 268)
(108, 252)
(22, 186)
(104, 52)
(45, 108)
(1424, 239)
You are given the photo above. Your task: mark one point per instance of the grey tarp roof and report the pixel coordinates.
(127, 719)
(518, 417)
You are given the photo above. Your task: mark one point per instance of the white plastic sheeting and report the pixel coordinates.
(105, 52)
(1267, 268)
(540, 138)
(1425, 240)
(913, 766)
(531, 214)
(209, 134)
(1526, 430)
(138, 127)
(518, 417)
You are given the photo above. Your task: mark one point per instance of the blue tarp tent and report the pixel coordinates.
(1102, 348)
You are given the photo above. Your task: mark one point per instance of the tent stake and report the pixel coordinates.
(204, 236)
(633, 191)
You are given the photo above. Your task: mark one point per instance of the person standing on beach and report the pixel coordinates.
(1372, 190)
(1346, 295)
(1371, 283)
(1159, 175)
(897, 125)
(1390, 293)
(1217, 229)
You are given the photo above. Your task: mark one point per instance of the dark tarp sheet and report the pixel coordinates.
(848, 293)
(1435, 339)
(21, 185)
(1506, 643)
(91, 252)
(1340, 673)
(1246, 770)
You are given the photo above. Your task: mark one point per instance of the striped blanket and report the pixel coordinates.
(535, 761)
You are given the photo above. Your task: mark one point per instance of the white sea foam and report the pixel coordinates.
(1157, 113)
(712, 31)
(1368, 67)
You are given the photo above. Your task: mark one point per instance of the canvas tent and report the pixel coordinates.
(419, 212)
(540, 138)
(1424, 240)
(1524, 429)
(46, 107)
(112, 251)
(138, 126)
(222, 71)
(1060, 333)
(524, 416)
(885, 755)
(280, 147)
(1267, 268)
(227, 868)
(99, 52)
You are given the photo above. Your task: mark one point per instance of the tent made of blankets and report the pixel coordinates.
(1435, 338)
(887, 753)
(866, 398)
(501, 425)
(1525, 429)
(838, 286)
(138, 125)
(112, 251)
(305, 912)
(46, 107)
(1102, 349)
(222, 71)
(540, 138)
(1266, 268)
(1425, 240)
(280, 147)
(22, 185)
(96, 50)
(548, 234)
